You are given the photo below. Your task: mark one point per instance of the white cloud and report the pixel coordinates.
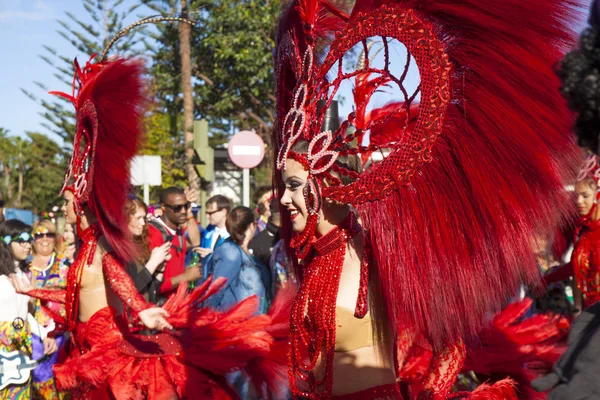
(22, 15)
(25, 10)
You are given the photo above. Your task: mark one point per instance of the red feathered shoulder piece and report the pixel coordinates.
(474, 158)
(109, 100)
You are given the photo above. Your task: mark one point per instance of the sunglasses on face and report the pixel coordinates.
(44, 235)
(21, 238)
(209, 213)
(180, 207)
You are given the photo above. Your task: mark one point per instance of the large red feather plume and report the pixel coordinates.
(109, 109)
(452, 210)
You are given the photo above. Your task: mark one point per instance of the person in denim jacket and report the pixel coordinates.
(246, 276)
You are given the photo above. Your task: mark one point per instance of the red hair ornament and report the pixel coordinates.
(109, 100)
(475, 159)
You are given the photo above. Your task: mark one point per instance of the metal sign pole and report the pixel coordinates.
(146, 193)
(246, 186)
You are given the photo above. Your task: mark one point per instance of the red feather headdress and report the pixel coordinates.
(109, 106)
(471, 173)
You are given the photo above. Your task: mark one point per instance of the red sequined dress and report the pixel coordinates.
(107, 356)
(586, 259)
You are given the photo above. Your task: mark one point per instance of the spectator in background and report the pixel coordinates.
(554, 299)
(217, 210)
(16, 324)
(177, 220)
(69, 244)
(262, 199)
(148, 269)
(155, 211)
(46, 270)
(262, 244)
(245, 275)
(281, 267)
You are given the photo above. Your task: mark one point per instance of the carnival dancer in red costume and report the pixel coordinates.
(436, 236)
(586, 256)
(108, 360)
(585, 261)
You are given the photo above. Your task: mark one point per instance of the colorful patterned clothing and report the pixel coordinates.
(53, 276)
(15, 339)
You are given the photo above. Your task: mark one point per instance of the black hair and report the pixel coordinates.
(222, 202)
(10, 227)
(164, 194)
(579, 71)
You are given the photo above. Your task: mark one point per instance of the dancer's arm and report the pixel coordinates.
(122, 284)
(55, 295)
(22, 285)
(150, 315)
(443, 370)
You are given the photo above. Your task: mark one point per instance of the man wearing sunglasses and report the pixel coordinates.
(217, 208)
(177, 220)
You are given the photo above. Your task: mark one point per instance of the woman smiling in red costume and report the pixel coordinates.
(432, 239)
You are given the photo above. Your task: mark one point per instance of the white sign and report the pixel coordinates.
(146, 170)
(241, 150)
(246, 149)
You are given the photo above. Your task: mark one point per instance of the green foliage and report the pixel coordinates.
(232, 46)
(162, 42)
(160, 142)
(233, 62)
(43, 175)
(31, 171)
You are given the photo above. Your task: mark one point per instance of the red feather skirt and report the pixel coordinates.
(107, 361)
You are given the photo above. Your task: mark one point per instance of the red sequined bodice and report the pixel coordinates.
(586, 260)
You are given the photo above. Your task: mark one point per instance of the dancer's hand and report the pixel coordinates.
(50, 346)
(155, 318)
(21, 283)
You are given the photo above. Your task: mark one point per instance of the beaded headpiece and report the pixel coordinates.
(590, 169)
(469, 165)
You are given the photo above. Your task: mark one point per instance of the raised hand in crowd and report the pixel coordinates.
(203, 251)
(159, 255)
(191, 195)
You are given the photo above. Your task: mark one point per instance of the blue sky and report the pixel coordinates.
(26, 25)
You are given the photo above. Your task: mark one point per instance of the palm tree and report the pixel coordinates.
(188, 102)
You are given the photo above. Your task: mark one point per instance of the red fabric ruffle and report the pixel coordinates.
(187, 363)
